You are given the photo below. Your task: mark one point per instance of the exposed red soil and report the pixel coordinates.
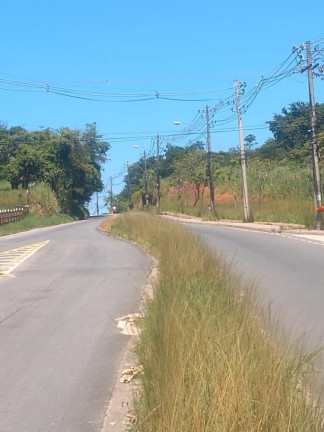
(189, 195)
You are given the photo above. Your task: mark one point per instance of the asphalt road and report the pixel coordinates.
(60, 347)
(287, 271)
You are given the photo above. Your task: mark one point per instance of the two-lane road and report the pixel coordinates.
(60, 348)
(288, 274)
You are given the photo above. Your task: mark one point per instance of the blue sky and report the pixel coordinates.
(178, 49)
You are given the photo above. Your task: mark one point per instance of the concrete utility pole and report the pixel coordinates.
(97, 203)
(130, 204)
(158, 185)
(242, 153)
(145, 172)
(314, 144)
(111, 195)
(209, 166)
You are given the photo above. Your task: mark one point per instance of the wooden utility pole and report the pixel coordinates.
(209, 166)
(314, 144)
(242, 154)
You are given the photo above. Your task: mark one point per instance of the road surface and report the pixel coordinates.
(60, 347)
(287, 271)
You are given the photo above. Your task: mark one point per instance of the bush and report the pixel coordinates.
(43, 201)
(79, 211)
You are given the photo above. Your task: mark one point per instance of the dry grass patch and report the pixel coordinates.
(208, 363)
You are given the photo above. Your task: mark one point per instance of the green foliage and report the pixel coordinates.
(43, 201)
(175, 153)
(190, 172)
(250, 142)
(291, 132)
(79, 211)
(5, 185)
(31, 222)
(68, 161)
(96, 148)
(10, 199)
(280, 169)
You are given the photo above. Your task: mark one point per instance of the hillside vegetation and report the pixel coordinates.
(67, 161)
(280, 176)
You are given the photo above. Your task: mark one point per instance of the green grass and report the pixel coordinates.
(12, 198)
(30, 222)
(273, 210)
(43, 211)
(212, 361)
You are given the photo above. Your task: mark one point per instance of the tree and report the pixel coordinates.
(291, 131)
(250, 142)
(69, 161)
(32, 158)
(97, 149)
(174, 153)
(190, 172)
(79, 176)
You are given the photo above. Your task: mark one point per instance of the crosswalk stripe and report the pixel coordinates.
(11, 259)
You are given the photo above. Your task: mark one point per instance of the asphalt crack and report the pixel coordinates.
(11, 315)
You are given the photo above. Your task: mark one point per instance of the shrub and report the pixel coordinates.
(43, 201)
(79, 211)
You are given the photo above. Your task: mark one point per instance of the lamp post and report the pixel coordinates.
(209, 164)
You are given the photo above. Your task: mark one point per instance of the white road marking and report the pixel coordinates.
(11, 259)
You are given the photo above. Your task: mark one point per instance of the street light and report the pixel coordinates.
(209, 164)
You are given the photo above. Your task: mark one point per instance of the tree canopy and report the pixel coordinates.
(69, 161)
(291, 133)
(185, 167)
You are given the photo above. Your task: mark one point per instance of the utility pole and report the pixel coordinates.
(242, 153)
(130, 204)
(314, 144)
(158, 198)
(209, 166)
(111, 195)
(97, 203)
(145, 172)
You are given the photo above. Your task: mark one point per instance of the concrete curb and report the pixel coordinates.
(272, 227)
(120, 404)
(121, 401)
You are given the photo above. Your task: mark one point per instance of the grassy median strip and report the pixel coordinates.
(209, 362)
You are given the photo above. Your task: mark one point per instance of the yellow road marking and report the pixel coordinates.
(11, 259)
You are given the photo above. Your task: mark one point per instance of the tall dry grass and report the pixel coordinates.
(209, 362)
(285, 210)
